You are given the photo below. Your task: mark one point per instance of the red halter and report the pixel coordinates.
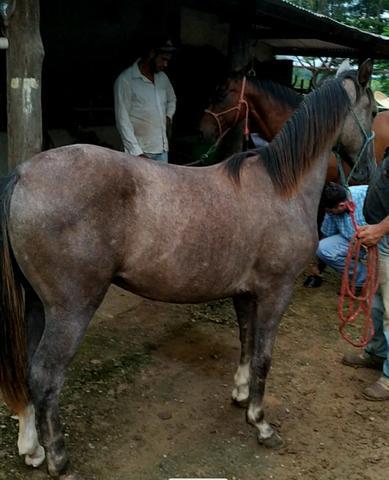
(238, 107)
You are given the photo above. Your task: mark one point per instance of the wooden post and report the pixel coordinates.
(24, 72)
(240, 41)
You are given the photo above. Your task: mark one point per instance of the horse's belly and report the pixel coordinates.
(185, 281)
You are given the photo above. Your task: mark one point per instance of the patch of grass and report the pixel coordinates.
(219, 311)
(103, 363)
(122, 367)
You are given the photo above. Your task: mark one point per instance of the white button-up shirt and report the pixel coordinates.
(141, 108)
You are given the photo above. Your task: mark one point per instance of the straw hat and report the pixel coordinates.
(381, 99)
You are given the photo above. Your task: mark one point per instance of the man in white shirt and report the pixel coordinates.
(145, 104)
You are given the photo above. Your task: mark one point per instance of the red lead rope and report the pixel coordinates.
(350, 306)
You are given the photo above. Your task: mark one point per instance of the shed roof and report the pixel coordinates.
(292, 30)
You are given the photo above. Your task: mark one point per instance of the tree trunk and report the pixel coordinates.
(24, 72)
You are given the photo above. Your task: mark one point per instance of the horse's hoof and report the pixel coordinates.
(313, 281)
(274, 441)
(36, 459)
(240, 403)
(240, 397)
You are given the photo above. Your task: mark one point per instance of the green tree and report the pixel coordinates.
(368, 15)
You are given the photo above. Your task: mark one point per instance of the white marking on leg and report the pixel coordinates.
(255, 412)
(28, 438)
(242, 381)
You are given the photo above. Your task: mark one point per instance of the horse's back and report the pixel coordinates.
(72, 168)
(66, 183)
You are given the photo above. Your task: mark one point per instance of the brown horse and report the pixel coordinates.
(78, 218)
(243, 104)
(381, 130)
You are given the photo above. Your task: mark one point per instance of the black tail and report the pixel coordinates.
(13, 344)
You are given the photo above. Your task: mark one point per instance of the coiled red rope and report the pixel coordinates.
(351, 306)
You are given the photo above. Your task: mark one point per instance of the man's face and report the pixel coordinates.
(339, 209)
(160, 61)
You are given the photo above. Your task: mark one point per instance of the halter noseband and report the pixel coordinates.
(238, 107)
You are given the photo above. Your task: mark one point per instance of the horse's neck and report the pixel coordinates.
(312, 184)
(267, 116)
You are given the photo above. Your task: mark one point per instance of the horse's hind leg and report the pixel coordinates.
(245, 308)
(28, 443)
(269, 312)
(62, 334)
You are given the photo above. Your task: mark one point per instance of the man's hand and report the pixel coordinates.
(370, 234)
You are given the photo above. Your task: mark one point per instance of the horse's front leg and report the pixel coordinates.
(270, 308)
(245, 308)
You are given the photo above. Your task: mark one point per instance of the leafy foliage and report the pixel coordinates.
(369, 15)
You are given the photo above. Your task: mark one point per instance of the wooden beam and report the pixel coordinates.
(24, 73)
(319, 52)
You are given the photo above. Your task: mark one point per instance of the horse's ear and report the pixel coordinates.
(343, 67)
(364, 72)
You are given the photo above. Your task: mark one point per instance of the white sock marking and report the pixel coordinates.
(242, 380)
(28, 438)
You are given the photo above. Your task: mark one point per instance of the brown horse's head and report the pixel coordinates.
(228, 107)
(246, 101)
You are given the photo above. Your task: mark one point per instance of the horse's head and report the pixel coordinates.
(356, 137)
(227, 108)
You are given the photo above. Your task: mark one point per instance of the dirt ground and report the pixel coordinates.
(148, 398)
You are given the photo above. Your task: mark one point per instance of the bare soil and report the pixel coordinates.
(148, 398)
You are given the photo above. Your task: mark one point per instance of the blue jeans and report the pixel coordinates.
(160, 157)
(333, 252)
(380, 309)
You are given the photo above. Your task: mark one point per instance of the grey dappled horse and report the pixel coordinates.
(77, 218)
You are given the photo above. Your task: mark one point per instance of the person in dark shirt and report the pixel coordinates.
(376, 354)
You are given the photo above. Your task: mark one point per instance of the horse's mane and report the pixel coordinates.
(307, 132)
(280, 93)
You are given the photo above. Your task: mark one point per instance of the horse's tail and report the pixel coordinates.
(13, 344)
